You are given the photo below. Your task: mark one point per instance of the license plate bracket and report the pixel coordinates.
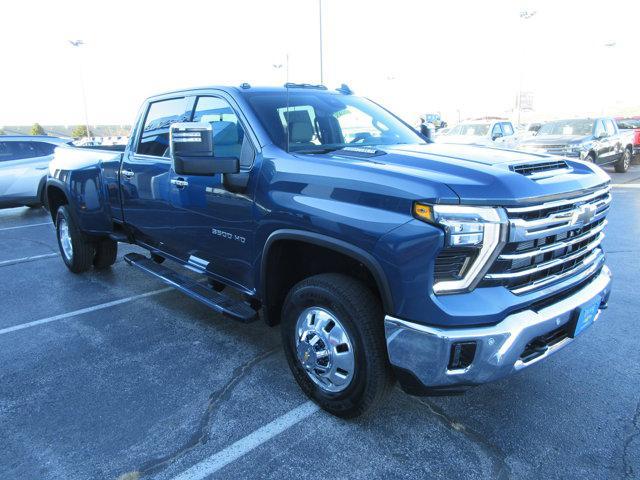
(584, 316)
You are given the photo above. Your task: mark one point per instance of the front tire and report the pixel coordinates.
(76, 251)
(622, 165)
(333, 337)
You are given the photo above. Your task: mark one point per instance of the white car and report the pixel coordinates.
(477, 132)
(24, 165)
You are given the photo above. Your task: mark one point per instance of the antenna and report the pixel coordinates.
(287, 87)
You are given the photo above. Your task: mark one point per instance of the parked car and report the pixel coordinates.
(24, 162)
(597, 140)
(477, 132)
(381, 256)
(443, 131)
(631, 124)
(526, 131)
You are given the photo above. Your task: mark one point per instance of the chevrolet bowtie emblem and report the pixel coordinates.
(583, 214)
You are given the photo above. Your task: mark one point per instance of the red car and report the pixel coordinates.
(631, 123)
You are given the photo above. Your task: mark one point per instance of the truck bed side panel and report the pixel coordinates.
(90, 182)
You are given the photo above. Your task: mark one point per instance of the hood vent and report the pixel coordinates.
(541, 169)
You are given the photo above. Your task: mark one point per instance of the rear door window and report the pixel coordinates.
(611, 129)
(22, 150)
(154, 138)
(45, 148)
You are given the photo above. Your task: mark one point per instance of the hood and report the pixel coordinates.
(554, 140)
(477, 175)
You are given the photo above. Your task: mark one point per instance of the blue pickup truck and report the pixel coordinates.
(382, 257)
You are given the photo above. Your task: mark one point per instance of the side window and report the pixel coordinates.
(25, 150)
(6, 153)
(301, 120)
(154, 139)
(45, 148)
(507, 128)
(496, 130)
(599, 129)
(229, 139)
(611, 130)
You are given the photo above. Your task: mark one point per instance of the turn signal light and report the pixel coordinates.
(423, 212)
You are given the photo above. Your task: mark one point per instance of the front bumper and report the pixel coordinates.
(421, 354)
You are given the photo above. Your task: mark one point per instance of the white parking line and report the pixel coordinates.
(82, 311)
(27, 259)
(243, 446)
(26, 226)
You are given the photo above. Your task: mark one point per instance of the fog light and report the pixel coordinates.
(462, 355)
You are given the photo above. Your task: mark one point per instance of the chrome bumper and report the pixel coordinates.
(425, 351)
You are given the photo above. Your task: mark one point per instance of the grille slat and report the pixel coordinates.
(552, 241)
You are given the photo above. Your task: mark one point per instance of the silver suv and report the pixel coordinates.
(24, 164)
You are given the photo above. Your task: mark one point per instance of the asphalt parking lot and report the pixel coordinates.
(111, 375)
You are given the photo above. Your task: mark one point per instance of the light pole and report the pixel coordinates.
(320, 27)
(524, 15)
(79, 43)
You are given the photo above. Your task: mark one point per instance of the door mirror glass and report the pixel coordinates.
(192, 151)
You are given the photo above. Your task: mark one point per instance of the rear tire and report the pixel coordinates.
(317, 306)
(76, 251)
(106, 253)
(622, 165)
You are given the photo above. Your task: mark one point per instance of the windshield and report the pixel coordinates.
(567, 127)
(628, 123)
(477, 129)
(320, 121)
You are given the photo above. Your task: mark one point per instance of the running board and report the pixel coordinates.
(219, 302)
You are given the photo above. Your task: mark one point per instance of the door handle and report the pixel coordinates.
(127, 173)
(179, 182)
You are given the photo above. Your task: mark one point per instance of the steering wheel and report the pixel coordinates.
(360, 137)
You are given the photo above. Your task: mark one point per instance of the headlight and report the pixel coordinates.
(577, 150)
(473, 237)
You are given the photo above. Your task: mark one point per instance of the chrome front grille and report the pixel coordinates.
(552, 241)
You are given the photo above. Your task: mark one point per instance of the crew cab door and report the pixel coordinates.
(145, 175)
(614, 144)
(602, 144)
(215, 212)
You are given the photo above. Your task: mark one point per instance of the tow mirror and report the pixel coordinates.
(193, 153)
(496, 135)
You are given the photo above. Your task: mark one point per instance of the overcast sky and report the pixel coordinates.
(411, 56)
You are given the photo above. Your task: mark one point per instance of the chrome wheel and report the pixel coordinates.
(65, 238)
(324, 349)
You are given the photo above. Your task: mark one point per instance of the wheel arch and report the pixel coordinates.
(55, 198)
(269, 291)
